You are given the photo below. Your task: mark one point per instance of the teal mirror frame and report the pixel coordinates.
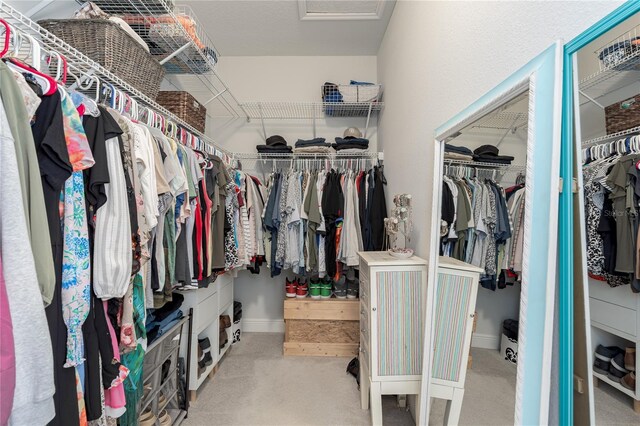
(565, 229)
(542, 77)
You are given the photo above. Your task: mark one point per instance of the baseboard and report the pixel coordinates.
(262, 325)
(485, 341)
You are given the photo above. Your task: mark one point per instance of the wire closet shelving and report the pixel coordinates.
(619, 61)
(177, 40)
(88, 69)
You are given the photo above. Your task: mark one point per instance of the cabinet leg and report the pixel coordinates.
(193, 396)
(376, 404)
(636, 406)
(452, 412)
(365, 386)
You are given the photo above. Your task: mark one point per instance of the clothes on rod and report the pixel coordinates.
(482, 224)
(611, 210)
(112, 216)
(316, 221)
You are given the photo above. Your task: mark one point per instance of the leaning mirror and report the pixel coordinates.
(492, 275)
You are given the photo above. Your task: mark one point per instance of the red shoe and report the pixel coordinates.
(302, 291)
(291, 287)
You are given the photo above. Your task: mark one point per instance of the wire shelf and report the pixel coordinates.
(619, 65)
(293, 156)
(611, 137)
(477, 164)
(83, 67)
(309, 110)
(177, 40)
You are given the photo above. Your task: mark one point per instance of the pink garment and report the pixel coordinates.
(7, 355)
(114, 399)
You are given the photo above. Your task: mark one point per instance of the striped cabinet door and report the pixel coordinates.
(400, 296)
(454, 297)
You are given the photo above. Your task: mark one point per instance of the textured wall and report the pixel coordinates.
(438, 57)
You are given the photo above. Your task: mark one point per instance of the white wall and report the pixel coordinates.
(292, 79)
(438, 57)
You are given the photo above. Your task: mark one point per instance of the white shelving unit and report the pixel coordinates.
(207, 304)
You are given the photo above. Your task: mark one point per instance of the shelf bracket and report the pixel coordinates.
(591, 99)
(264, 131)
(176, 52)
(366, 127)
(215, 97)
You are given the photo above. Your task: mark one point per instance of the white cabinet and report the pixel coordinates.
(454, 306)
(208, 304)
(392, 298)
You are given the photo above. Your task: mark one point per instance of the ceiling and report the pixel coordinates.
(274, 28)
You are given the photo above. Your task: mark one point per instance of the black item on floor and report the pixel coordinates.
(354, 369)
(510, 329)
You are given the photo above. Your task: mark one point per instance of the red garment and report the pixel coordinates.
(7, 355)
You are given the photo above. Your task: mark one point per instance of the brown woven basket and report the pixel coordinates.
(185, 107)
(108, 44)
(623, 115)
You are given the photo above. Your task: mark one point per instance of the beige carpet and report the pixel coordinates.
(256, 385)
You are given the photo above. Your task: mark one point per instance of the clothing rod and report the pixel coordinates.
(84, 65)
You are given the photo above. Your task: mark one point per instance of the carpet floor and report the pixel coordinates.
(256, 385)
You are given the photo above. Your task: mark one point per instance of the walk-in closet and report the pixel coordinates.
(311, 212)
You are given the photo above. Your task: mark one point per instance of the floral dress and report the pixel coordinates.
(76, 271)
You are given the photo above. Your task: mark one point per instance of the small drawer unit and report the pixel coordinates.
(392, 300)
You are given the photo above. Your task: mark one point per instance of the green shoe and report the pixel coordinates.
(314, 288)
(325, 288)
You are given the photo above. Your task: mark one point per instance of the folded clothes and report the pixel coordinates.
(270, 149)
(457, 156)
(313, 149)
(352, 141)
(499, 159)
(312, 142)
(343, 146)
(458, 149)
(352, 150)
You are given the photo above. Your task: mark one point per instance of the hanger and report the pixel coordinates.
(7, 37)
(46, 82)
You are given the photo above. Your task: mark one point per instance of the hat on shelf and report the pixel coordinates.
(352, 132)
(486, 150)
(276, 140)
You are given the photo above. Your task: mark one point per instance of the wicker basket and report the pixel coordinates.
(185, 107)
(109, 45)
(623, 115)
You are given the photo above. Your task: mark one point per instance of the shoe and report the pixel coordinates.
(603, 357)
(223, 339)
(164, 418)
(325, 288)
(340, 288)
(302, 291)
(314, 288)
(352, 289)
(225, 320)
(147, 419)
(205, 344)
(291, 287)
(629, 381)
(630, 359)
(617, 370)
